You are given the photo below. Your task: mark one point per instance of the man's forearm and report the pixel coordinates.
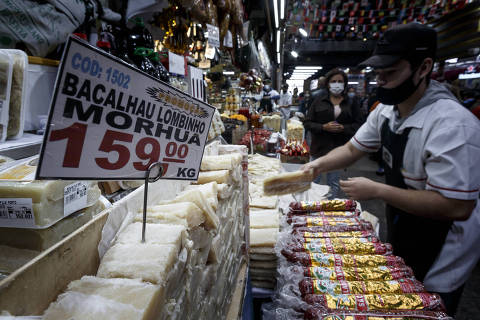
(338, 158)
(425, 203)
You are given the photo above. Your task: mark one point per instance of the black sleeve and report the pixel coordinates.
(310, 122)
(357, 119)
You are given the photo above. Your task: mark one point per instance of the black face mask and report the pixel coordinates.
(400, 93)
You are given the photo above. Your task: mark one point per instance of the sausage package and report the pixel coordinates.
(360, 302)
(316, 313)
(344, 214)
(336, 287)
(334, 228)
(324, 205)
(306, 236)
(311, 259)
(356, 246)
(307, 221)
(380, 273)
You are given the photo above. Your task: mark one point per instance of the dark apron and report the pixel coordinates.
(417, 240)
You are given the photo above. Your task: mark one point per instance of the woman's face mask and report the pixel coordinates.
(336, 87)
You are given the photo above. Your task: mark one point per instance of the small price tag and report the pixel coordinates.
(74, 197)
(16, 213)
(176, 63)
(213, 35)
(228, 41)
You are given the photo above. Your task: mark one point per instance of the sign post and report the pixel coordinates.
(111, 121)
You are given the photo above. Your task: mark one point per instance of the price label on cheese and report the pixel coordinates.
(17, 213)
(111, 121)
(74, 197)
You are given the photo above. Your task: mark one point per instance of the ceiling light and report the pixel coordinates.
(469, 76)
(282, 9)
(352, 28)
(303, 32)
(278, 40)
(352, 82)
(294, 53)
(453, 60)
(347, 70)
(364, 39)
(278, 57)
(372, 82)
(228, 72)
(309, 67)
(275, 12)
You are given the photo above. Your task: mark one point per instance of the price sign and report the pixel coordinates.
(176, 63)
(213, 35)
(110, 121)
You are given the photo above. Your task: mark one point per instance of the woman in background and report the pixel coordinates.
(332, 119)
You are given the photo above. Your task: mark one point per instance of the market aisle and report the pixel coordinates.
(469, 307)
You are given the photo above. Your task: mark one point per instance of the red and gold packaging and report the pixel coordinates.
(380, 273)
(360, 302)
(343, 260)
(344, 214)
(324, 205)
(317, 313)
(356, 246)
(348, 234)
(336, 287)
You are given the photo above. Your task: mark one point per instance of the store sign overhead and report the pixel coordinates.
(110, 121)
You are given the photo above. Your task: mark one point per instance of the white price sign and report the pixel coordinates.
(213, 35)
(176, 64)
(110, 121)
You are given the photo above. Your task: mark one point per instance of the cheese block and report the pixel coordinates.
(200, 238)
(220, 176)
(97, 298)
(263, 284)
(264, 219)
(149, 262)
(289, 182)
(49, 212)
(154, 234)
(41, 239)
(263, 264)
(186, 214)
(264, 202)
(209, 190)
(197, 197)
(47, 198)
(13, 258)
(262, 257)
(262, 250)
(261, 273)
(221, 162)
(263, 237)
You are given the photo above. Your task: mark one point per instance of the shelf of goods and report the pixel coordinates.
(331, 265)
(192, 263)
(264, 221)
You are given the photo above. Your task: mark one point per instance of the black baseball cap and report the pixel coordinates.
(413, 42)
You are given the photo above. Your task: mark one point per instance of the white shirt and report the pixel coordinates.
(336, 111)
(442, 154)
(285, 99)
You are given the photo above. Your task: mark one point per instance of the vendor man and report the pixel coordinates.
(268, 98)
(431, 150)
(285, 101)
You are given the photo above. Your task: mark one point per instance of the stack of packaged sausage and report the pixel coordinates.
(333, 266)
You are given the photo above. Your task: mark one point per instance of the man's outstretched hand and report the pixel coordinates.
(360, 188)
